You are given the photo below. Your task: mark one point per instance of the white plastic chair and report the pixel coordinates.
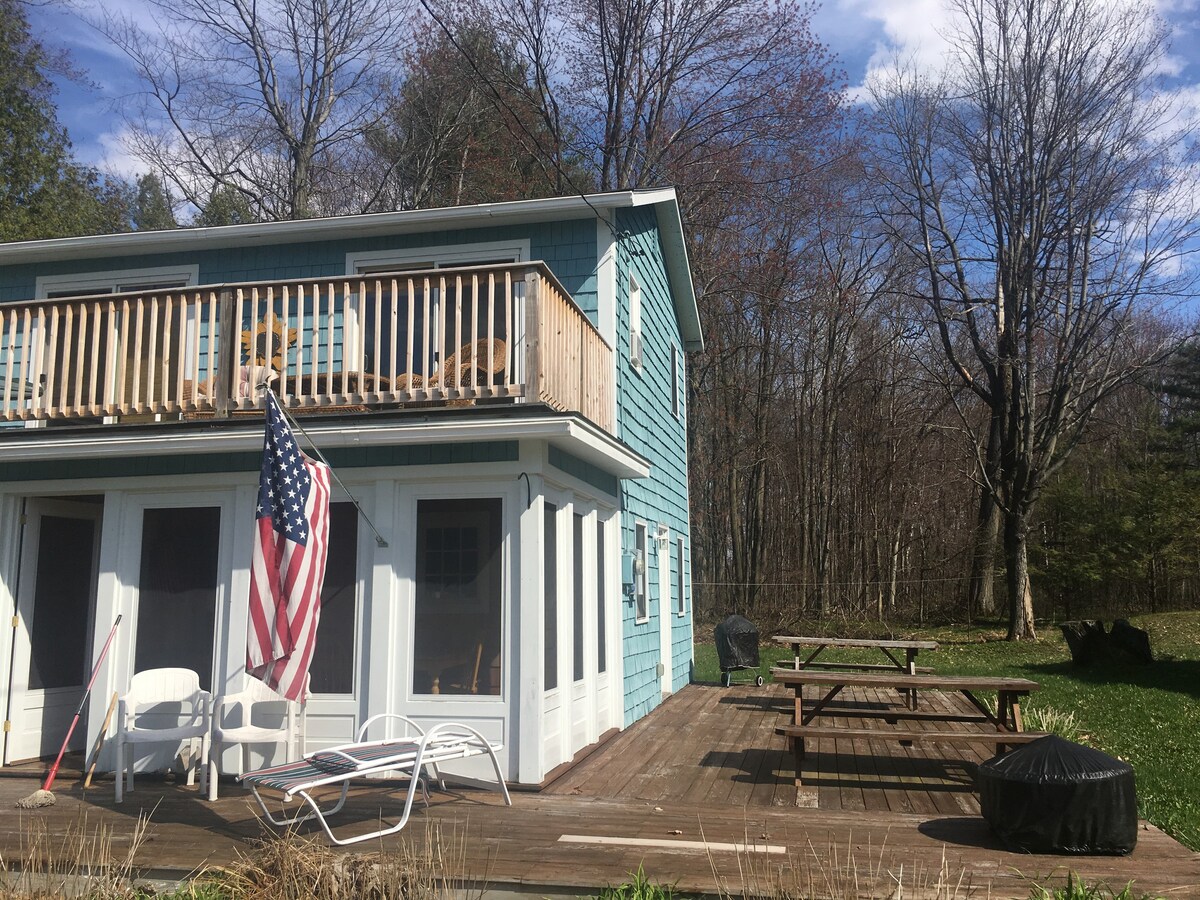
(173, 698)
(253, 703)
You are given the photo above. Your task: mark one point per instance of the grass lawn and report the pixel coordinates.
(1146, 715)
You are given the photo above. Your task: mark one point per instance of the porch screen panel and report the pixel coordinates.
(177, 598)
(58, 652)
(332, 670)
(459, 603)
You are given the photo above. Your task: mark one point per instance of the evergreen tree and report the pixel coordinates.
(43, 193)
(153, 207)
(225, 206)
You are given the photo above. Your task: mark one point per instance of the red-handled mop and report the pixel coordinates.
(43, 797)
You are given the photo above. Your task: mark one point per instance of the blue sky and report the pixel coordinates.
(865, 35)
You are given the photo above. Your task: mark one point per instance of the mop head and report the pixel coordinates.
(36, 800)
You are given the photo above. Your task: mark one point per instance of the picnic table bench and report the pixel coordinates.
(1004, 726)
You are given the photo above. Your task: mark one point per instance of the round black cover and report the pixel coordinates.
(1055, 796)
(737, 643)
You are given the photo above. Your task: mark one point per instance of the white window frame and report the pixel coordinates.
(676, 383)
(637, 347)
(442, 256)
(109, 282)
(680, 582)
(641, 579)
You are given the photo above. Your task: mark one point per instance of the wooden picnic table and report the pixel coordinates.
(1005, 726)
(884, 646)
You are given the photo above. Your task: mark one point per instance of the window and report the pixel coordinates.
(550, 597)
(332, 670)
(577, 608)
(177, 598)
(458, 616)
(641, 575)
(88, 283)
(601, 584)
(74, 355)
(680, 582)
(635, 323)
(676, 383)
(375, 345)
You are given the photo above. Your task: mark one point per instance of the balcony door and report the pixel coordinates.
(52, 634)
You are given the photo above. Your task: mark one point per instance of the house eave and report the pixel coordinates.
(329, 228)
(571, 433)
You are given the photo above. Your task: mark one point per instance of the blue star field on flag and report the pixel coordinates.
(284, 482)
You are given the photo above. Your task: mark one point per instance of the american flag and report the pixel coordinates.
(288, 564)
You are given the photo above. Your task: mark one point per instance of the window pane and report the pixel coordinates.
(550, 599)
(177, 598)
(601, 583)
(641, 575)
(577, 557)
(458, 603)
(679, 583)
(332, 670)
(58, 653)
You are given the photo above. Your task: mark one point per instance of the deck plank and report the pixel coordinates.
(706, 765)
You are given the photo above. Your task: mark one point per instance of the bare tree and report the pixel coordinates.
(1040, 185)
(268, 98)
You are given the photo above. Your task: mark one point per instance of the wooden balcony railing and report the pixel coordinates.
(484, 334)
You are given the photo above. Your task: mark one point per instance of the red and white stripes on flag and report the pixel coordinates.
(288, 564)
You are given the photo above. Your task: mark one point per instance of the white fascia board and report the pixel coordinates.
(332, 228)
(576, 436)
(679, 270)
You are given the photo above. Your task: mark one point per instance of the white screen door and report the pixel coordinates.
(52, 639)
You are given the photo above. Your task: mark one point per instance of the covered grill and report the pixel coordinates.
(737, 647)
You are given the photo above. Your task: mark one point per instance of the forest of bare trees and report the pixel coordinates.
(947, 372)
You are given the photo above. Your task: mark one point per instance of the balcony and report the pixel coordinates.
(483, 335)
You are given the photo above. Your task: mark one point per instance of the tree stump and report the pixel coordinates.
(1089, 643)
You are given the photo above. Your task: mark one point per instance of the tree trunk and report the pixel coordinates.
(1020, 597)
(981, 598)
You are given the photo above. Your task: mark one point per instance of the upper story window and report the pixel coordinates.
(440, 324)
(676, 382)
(635, 323)
(52, 287)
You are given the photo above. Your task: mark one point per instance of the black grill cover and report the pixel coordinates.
(737, 643)
(1053, 796)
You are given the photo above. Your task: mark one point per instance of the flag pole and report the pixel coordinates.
(321, 456)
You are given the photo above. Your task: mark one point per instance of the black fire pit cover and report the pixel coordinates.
(1053, 796)
(737, 643)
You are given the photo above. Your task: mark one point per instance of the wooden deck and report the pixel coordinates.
(704, 769)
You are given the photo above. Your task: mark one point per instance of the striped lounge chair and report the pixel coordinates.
(418, 755)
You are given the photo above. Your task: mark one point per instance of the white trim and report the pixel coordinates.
(637, 349)
(573, 434)
(681, 582)
(440, 256)
(103, 282)
(662, 546)
(641, 580)
(335, 227)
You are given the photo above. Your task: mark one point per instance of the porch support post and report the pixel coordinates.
(530, 646)
(110, 602)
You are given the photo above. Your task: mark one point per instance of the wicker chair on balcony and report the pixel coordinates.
(457, 370)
